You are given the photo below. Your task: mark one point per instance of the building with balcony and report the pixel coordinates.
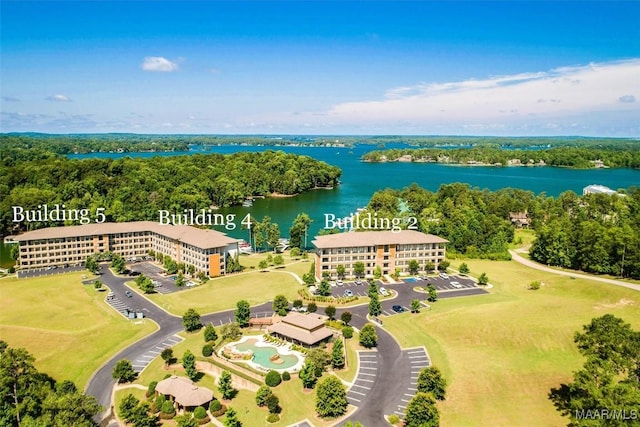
(385, 249)
(206, 250)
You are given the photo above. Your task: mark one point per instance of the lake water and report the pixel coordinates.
(360, 180)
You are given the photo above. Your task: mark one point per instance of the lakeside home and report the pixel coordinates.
(206, 250)
(385, 249)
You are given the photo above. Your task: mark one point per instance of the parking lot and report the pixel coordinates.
(165, 284)
(418, 360)
(441, 284)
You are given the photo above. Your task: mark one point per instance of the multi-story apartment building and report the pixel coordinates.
(385, 249)
(206, 250)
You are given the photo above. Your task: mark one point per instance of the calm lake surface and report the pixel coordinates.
(360, 180)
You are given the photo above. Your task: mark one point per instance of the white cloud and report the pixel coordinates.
(567, 97)
(58, 98)
(158, 63)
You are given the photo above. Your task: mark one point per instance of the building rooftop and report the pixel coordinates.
(596, 188)
(304, 321)
(197, 237)
(371, 238)
(185, 392)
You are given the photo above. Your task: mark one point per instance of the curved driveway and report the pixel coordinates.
(394, 367)
(541, 267)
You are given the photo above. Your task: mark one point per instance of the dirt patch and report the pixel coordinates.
(622, 303)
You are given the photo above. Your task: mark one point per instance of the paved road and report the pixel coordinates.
(532, 264)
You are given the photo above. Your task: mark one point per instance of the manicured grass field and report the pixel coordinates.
(502, 353)
(223, 293)
(67, 326)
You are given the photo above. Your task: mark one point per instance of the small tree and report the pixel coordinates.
(92, 265)
(464, 269)
(340, 270)
(330, 311)
(331, 398)
(127, 405)
(97, 285)
(207, 350)
(294, 253)
(308, 375)
(280, 303)
(262, 394)
(186, 421)
(312, 307)
(225, 385)
(483, 279)
(210, 333)
(346, 317)
(180, 280)
(377, 272)
(414, 266)
(375, 308)
(123, 371)
(243, 313)
(415, 306)
(273, 378)
(444, 264)
(429, 266)
(231, 419)
(200, 413)
(278, 260)
(189, 364)
(368, 336)
(431, 381)
(358, 269)
(191, 320)
(230, 331)
(432, 294)
(167, 355)
(297, 304)
(263, 264)
(347, 332)
(273, 403)
(324, 289)
(422, 411)
(337, 354)
(535, 285)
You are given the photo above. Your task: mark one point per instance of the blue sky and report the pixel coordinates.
(474, 68)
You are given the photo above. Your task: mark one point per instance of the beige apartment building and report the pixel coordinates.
(206, 250)
(385, 249)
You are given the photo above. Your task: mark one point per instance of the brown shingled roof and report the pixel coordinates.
(372, 238)
(185, 392)
(197, 237)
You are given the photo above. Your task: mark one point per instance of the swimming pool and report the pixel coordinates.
(264, 352)
(410, 280)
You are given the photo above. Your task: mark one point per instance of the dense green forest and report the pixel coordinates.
(136, 188)
(596, 233)
(617, 156)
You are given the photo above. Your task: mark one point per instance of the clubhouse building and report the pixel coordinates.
(385, 249)
(206, 250)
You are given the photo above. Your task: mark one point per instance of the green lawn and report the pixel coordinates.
(223, 293)
(67, 326)
(501, 353)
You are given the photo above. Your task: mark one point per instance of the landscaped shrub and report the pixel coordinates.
(200, 413)
(207, 350)
(394, 419)
(347, 332)
(168, 411)
(273, 418)
(152, 388)
(217, 409)
(262, 394)
(158, 402)
(273, 379)
(286, 376)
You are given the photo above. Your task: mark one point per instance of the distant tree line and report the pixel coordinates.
(596, 233)
(623, 155)
(136, 188)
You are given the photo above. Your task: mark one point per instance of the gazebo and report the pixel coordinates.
(184, 392)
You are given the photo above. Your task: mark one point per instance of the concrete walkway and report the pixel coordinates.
(516, 257)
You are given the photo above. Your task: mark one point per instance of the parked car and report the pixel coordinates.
(397, 308)
(383, 292)
(456, 285)
(348, 293)
(128, 294)
(358, 282)
(339, 283)
(444, 275)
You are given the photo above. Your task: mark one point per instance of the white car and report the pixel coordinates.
(456, 285)
(383, 292)
(444, 275)
(339, 282)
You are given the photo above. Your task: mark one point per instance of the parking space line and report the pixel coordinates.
(357, 392)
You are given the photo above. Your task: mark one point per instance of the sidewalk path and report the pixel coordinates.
(541, 267)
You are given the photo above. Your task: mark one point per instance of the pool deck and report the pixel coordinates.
(284, 350)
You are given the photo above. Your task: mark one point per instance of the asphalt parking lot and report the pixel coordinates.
(368, 362)
(48, 271)
(153, 271)
(444, 284)
(418, 360)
